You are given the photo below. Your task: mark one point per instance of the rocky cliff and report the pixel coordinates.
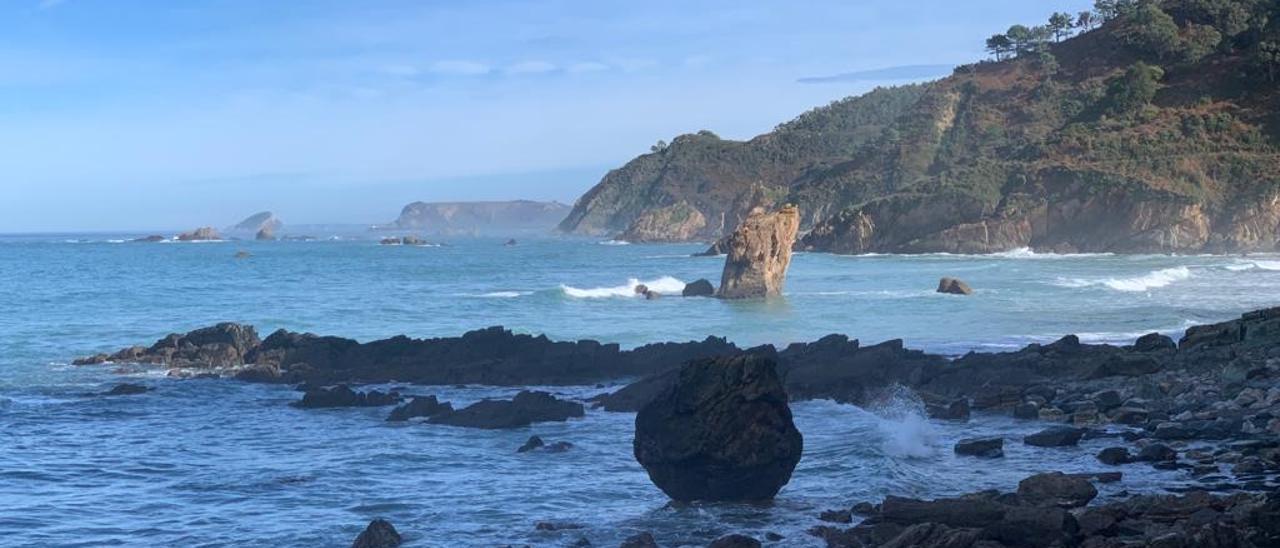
(261, 222)
(499, 218)
(1159, 131)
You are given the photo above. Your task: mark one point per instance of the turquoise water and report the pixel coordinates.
(220, 463)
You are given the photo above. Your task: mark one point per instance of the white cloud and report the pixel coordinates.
(531, 67)
(460, 68)
(589, 66)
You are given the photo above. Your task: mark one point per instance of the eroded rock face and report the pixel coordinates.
(953, 286)
(759, 252)
(722, 432)
(200, 234)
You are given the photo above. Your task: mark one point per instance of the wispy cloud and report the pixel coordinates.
(531, 67)
(460, 68)
(904, 72)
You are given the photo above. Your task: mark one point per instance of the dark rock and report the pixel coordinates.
(836, 516)
(553, 526)
(126, 389)
(773, 537)
(1154, 342)
(734, 541)
(1129, 365)
(379, 534)
(1032, 527)
(932, 535)
(534, 442)
(152, 238)
(200, 234)
(525, 409)
(558, 447)
(343, 396)
(420, 406)
(1129, 415)
(960, 512)
(266, 373)
(1056, 489)
(863, 508)
(1026, 411)
(1156, 452)
(1114, 456)
(699, 288)
(510, 243)
(989, 448)
(1055, 436)
(957, 410)
(722, 431)
(953, 286)
(640, 540)
(1107, 400)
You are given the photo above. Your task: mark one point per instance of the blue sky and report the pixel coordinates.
(130, 114)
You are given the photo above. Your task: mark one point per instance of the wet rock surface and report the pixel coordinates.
(722, 432)
(344, 396)
(379, 534)
(421, 406)
(524, 409)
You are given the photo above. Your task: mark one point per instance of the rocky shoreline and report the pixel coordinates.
(1208, 404)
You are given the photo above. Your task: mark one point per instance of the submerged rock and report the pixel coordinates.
(722, 432)
(698, 288)
(988, 448)
(151, 239)
(379, 534)
(525, 409)
(343, 396)
(954, 286)
(759, 252)
(126, 389)
(421, 406)
(1055, 436)
(640, 540)
(734, 541)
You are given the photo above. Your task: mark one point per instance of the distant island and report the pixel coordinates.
(1143, 127)
(479, 218)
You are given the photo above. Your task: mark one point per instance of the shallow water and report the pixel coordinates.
(221, 463)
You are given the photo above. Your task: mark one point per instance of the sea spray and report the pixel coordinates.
(665, 285)
(906, 430)
(1151, 280)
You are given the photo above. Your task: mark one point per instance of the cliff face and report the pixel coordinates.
(1083, 146)
(258, 222)
(480, 217)
(759, 252)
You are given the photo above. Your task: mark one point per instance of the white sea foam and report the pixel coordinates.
(613, 242)
(499, 294)
(904, 424)
(1254, 265)
(665, 285)
(1151, 280)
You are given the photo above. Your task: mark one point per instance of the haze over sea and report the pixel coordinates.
(203, 462)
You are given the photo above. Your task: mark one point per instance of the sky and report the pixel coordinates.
(132, 114)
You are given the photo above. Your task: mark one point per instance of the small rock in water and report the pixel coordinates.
(698, 288)
(640, 540)
(1057, 489)
(343, 396)
(1056, 436)
(988, 448)
(420, 406)
(1156, 452)
(525, 409)
(534, 442)
(837, 516)
(734, 541)
(953, 286)
(379, 534)
(1114, 456)
(126, 389)
(510, 243)
(957, 410)
(553, 526)
(242, 254)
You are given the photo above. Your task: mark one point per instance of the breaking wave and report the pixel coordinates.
(665, 285)
(1151, 280)
(1254, 265)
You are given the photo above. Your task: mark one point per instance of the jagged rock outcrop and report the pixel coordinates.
(953, 286)
(201, 234)
(480, 218)
(721, 432)
(421, 406)
(343, 396)
(263, 222)
(759, 252)
(698, 288)
(379, 534)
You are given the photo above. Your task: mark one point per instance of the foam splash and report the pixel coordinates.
(665, 285)
(904, 424)
(613, 242)
(1254, 265)
(1151, 280)
(499, 294)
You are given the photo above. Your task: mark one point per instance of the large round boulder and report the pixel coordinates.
(721, 432)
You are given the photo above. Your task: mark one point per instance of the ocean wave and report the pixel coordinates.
(498, 294)
(1254, 265)
(613, 242)
(665, 285)
(1151, 280)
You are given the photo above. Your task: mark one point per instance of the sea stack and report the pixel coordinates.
(759, 252)
(722, 432)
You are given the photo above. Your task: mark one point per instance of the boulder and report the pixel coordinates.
(958, 512)
(759, 252)
(379, 534)
(722, 432)
(200, 234)
(1156, 452)
(644, 290)
(267, 373)
(343, 396)
(525, 409)
(988, 448)
(1056, 489)
(734, 541)
(421, 406)
(534, 442)
(640, 540)
(698, 288)
(957, 410)
(1114, 456)
(953, 286)
(1055, 436)
(126, 389)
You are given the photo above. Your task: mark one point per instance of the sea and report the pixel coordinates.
(209, 462)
